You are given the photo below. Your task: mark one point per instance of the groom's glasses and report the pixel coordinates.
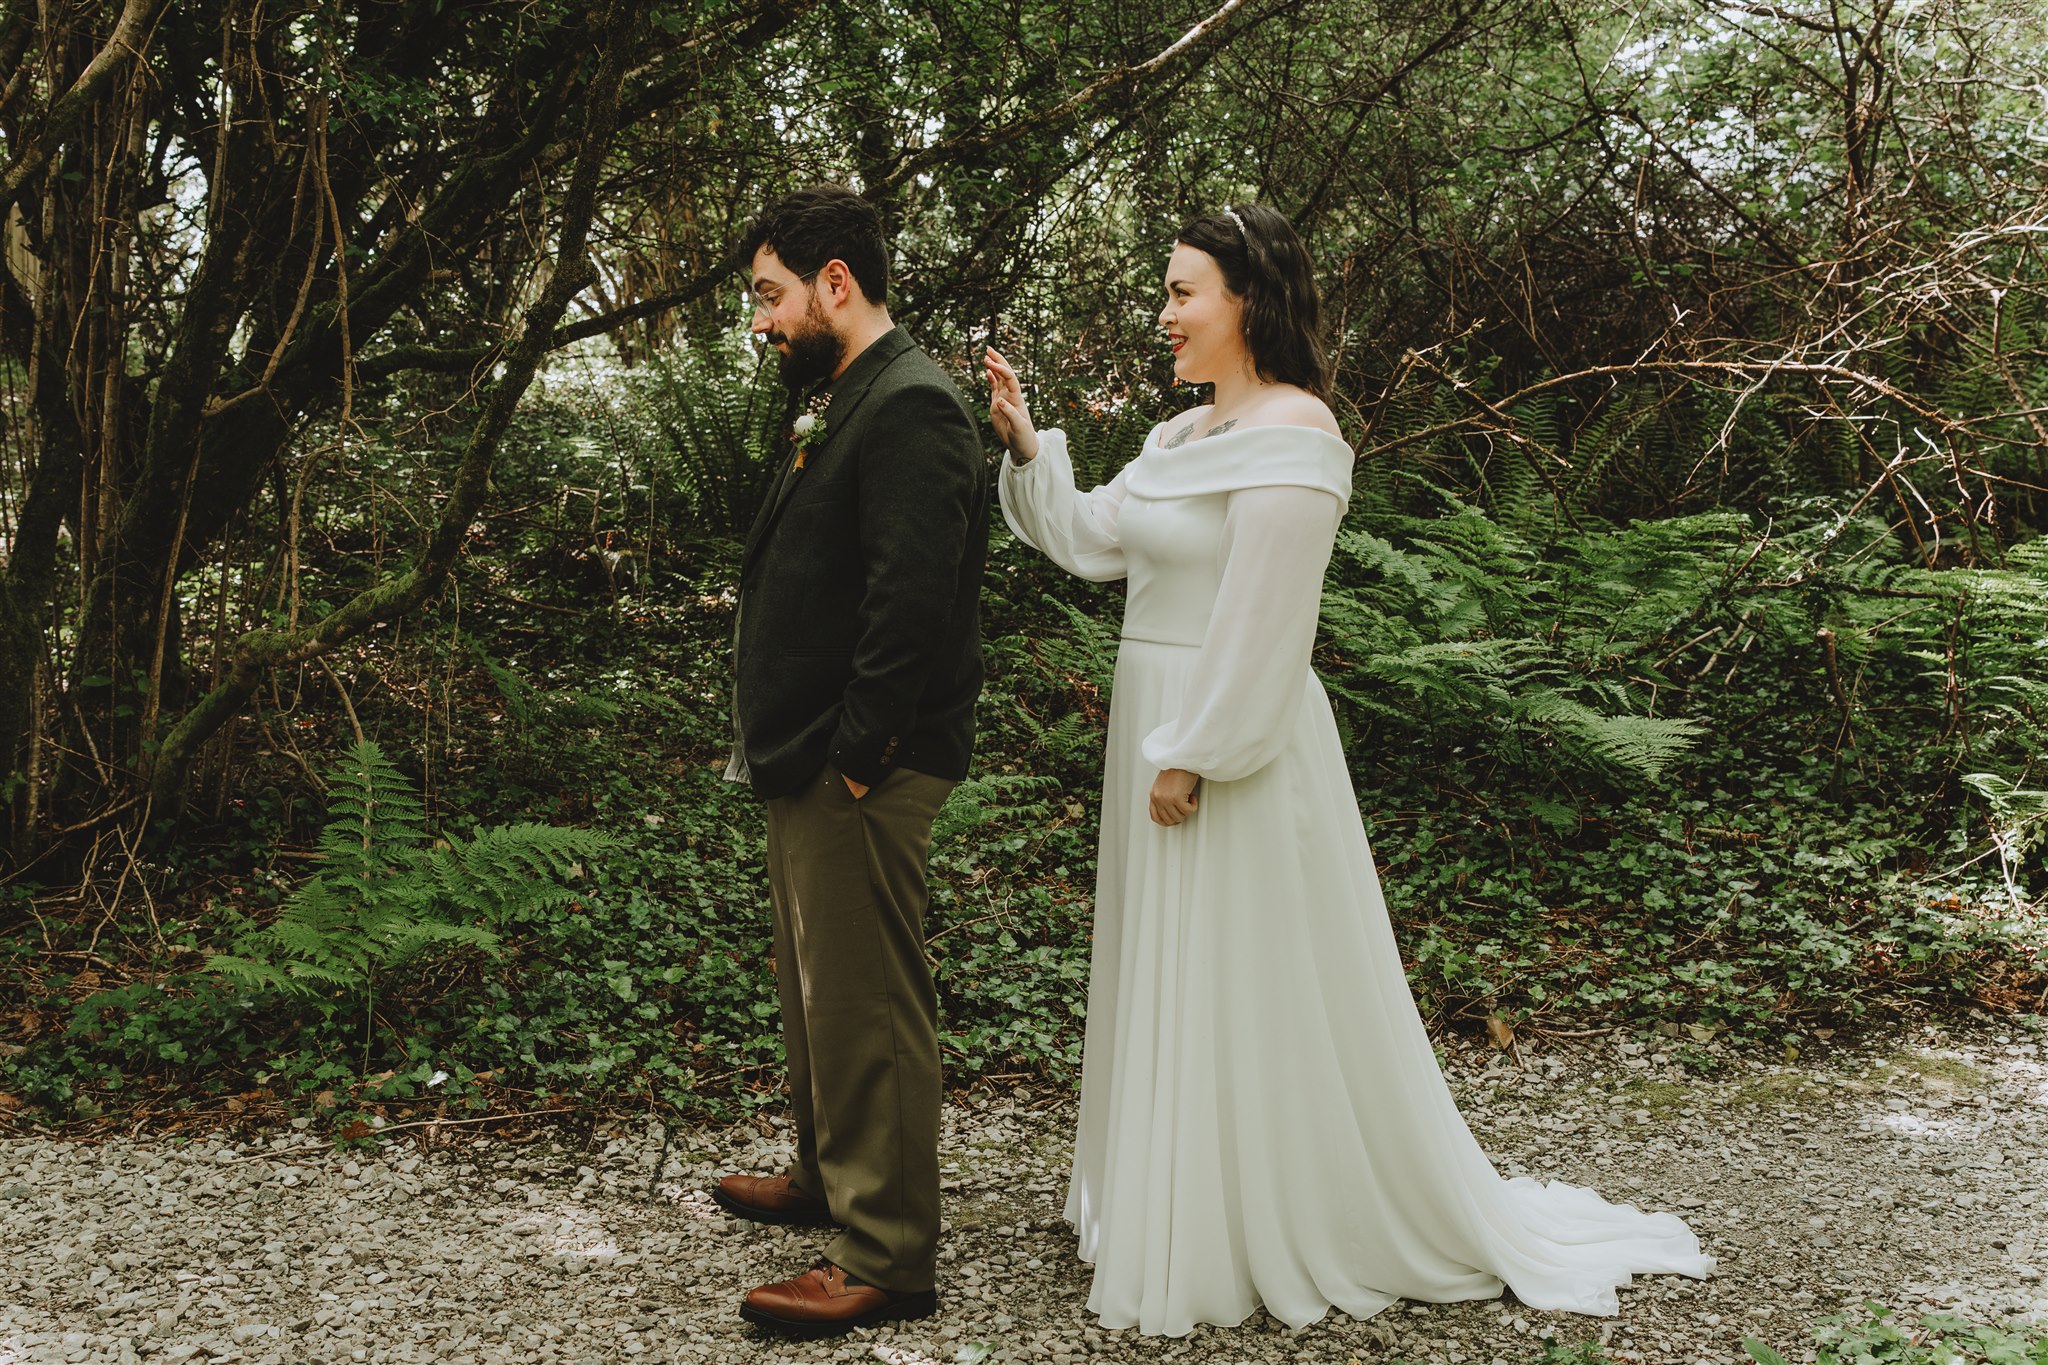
(764, 301)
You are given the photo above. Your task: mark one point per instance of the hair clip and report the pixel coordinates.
(1231, 214)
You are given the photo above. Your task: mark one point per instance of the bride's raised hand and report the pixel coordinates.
(1007, 411)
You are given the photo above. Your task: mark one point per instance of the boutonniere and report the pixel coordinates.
(808, 430)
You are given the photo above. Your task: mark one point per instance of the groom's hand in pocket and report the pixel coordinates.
(1173, 796)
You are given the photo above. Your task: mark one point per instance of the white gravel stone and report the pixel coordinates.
(1813, 1187)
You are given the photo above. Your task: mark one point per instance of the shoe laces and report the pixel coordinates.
(826, 1267)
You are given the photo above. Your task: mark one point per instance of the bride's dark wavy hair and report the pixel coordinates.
(1265, 264)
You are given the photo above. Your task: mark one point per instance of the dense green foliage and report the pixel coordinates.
(1877, 1336)
(1606, 829)
(1687, 632)
(1882, 1337)
(383, 895)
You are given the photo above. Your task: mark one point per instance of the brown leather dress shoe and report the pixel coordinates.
(825, 1301)
(770, 1199)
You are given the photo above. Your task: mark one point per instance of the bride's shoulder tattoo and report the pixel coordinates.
(1187, 433)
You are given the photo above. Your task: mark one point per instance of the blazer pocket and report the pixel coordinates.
(819, 653)
(825, 491)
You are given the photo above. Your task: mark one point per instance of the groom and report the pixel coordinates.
(858, 661)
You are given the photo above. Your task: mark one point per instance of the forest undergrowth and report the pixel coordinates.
(1743, 781)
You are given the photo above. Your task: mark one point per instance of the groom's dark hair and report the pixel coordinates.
(1265, 264)
(819, 223)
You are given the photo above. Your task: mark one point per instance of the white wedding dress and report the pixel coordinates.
(1262, 1117)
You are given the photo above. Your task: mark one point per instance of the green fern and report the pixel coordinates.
(1516, 491)
(1634, 744)
(1458, 622)
(535, 714)
(717, 422)
(985, 800)
(1100, 443)
(2019, 819)
(385, 895)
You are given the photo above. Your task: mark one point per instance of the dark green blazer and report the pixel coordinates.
(860, 633)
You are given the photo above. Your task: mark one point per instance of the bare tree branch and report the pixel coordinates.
(1204, 36)
(460, 359)
(130, 36)
(261, 651)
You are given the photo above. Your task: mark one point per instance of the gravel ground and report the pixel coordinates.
(1912, 1169)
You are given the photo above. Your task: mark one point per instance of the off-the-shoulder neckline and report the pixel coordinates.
(1153, 443)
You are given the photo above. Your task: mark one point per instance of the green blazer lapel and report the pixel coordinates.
(848, 391)
(769, 507)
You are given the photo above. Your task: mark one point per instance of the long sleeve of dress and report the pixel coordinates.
(1254, 669)
(1075, 530)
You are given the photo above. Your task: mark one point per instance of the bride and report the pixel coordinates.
(1262, 1118)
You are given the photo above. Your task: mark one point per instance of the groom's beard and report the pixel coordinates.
(814, 353)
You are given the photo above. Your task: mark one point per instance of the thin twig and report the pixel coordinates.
(354, 724)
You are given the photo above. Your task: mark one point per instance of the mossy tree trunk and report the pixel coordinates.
(237, 229)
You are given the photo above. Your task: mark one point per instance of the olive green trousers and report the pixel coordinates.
(860, 1015)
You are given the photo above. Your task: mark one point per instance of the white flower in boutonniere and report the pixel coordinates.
(808, 430)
